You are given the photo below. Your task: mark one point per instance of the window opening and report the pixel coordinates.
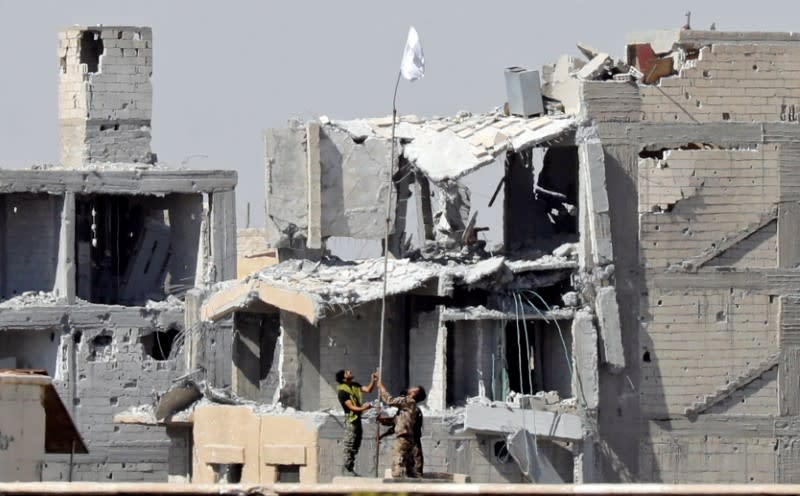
(288, 473)
(91, 50)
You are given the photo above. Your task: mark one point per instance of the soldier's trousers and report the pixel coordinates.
(352, 442)
(407, 458)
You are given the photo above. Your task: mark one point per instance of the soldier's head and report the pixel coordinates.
(418, 393)
(344, 376)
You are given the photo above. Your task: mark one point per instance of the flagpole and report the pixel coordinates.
(385, 272)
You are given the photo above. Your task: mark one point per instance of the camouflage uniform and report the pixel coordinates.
(352, 442)
(407, 458)
(352, 423)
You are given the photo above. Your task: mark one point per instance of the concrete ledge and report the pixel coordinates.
(345, 488)
(121, 181)
(505, 420)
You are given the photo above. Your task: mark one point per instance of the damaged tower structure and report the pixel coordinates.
(98, 253)
(630, 317)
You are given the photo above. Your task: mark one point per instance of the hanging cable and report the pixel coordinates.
(527, 342)
(519, 347)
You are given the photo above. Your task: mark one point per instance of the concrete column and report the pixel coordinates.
(607, 311)
(193, 302)
(246, 356)
(314, 167)
(437, 397)
(424, 210)
(593, 172)
(584, 352)
(3, 237)
(64, 286)
(223, 235)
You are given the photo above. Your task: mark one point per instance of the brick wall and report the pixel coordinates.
(709, 458)
(704, 196)
(730, 82)
(696, 341)
(352, 340)
(112, 376)
(105, 113)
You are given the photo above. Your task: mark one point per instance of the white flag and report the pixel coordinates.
(412, 67)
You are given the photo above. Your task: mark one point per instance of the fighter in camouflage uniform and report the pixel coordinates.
(349, 394)
(407, 459)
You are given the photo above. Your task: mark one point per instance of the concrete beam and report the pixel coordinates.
(64, 286)
(584, 352)
(244, 295)
(424, 210)
(507, 420)
(89, 316)
(314, 177)
(223, 235)
(610, 329)
(593, 172)
(130, 182)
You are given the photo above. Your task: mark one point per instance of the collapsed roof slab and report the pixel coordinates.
(448, 148)
(311, 289)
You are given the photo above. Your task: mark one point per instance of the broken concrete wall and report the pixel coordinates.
(22, 430)
(353, 200)
(427, 342)
(612, 106)
(473, 361)
(745, 80)
(102, 368)
(105, 94)
(347, 201)
(695, 204)
(256, 358)
(541, 195)
(350, 340)
(30, 242)
(286, 185)
(714, 148)
(185, 217)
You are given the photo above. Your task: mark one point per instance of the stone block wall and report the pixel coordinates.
(735, 82)
(112, 373)
(105, 94)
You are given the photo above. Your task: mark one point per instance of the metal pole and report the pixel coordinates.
(71, 457)
(385, 273)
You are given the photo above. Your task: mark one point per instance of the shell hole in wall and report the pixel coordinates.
(158, 345)
(501, 453)
(91, 48)
(100, 348)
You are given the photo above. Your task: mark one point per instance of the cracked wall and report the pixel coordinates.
(714, 169)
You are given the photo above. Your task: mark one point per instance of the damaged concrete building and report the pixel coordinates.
(98, 252)
(504, 334)
(631, 316)
(595, 282)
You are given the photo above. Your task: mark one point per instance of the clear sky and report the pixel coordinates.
(225, 71)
